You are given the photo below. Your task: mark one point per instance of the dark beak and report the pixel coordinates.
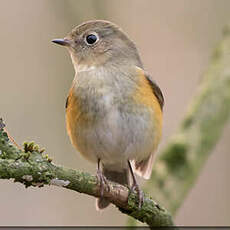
(62, 42)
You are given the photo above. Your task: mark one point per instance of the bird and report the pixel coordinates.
(114, 108)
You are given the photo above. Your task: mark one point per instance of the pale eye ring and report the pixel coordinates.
(91, 38)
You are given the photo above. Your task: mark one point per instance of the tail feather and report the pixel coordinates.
(101, 203)
(144, 168)
(121, 177)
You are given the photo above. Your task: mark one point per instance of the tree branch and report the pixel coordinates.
(181, 161)
(32, 168)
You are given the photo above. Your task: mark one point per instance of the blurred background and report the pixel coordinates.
(175, 40)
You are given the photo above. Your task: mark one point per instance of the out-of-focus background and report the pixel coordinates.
(175, 39)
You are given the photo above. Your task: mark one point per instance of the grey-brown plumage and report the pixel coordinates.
(114, 109)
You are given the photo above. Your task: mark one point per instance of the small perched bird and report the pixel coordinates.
(114, 108)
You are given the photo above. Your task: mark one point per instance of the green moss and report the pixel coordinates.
(188, 121)
(175, 156)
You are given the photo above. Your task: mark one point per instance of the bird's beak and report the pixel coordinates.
(62, 42)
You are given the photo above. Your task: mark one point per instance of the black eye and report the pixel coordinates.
(91, 39)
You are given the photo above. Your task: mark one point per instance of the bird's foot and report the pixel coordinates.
(135, 188)
(102, 181)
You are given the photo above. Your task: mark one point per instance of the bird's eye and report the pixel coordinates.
(91, 39)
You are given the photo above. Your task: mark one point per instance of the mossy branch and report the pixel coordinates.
(32, 167)
(181, 161)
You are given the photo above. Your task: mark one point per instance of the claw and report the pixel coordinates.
(135, 188)
(102, 180)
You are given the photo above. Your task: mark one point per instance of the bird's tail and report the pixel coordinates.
(121, 177)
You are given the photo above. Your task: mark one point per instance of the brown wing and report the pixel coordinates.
(67, 101)
(156, 90)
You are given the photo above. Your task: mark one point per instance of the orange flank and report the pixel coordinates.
(145, 95)
(73, 113)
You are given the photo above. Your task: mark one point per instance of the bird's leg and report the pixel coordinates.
(135, 187)
(101, 178)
